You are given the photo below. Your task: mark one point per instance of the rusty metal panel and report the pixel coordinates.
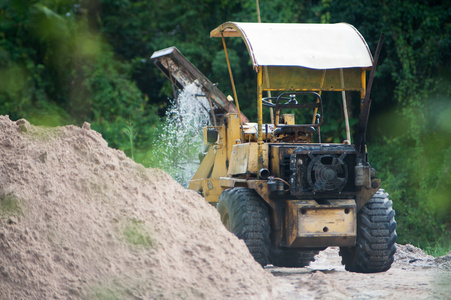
(291, 78)
(364, 195)
(274, 165)
(310, 224)
(195, 185)
(220, 166)
(233, 132)
(181, 72)
(211, 189)
(205, 166)
(288, 119)
(229, 182)
(265, 154)
(239, 159)
(244, 159)
(279, 155)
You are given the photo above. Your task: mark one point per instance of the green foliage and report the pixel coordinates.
(438, 247)
(414, 165)
(56, 69)
(9, 205)
(135, 233)
(104, 293)
(138, 28)
(131, 134)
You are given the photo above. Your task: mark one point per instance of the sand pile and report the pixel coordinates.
(81, 220)
(409, 254)
(444, 262)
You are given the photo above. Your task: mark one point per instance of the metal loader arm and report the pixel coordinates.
(181, 72)
(360, 136)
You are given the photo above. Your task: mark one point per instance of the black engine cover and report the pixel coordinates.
(323, 170)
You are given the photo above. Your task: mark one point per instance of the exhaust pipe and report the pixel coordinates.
(264, 174)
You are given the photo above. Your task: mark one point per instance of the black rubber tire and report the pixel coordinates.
(292, 258)
(245, 214)
(376, 237)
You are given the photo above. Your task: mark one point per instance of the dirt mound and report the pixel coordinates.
(444, 262)
(407, 253)
(81, 220)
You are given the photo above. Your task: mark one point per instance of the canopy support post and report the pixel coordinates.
(345, 107)
(233, 88)
(260, 116)
(319, 92)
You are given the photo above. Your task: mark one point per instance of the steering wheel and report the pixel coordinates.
(270, 104)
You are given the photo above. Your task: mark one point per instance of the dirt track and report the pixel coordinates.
(414, 275)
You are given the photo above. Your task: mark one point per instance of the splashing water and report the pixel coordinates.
(181, 140)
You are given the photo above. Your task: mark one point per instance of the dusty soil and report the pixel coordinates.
(414, 275)
(79, 220)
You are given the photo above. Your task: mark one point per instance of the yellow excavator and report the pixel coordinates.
(276, 185)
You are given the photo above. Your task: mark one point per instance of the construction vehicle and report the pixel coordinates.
(276, 185)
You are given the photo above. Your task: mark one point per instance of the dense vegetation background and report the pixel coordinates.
(68, 61)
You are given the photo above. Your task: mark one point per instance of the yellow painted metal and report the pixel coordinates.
(363, 89)
(204, 131)
(259, 104)
(244, 159)
(211, 189)
(261, 187)
(227, 137)
(214, 164)
(319, 92)
(229, 182)
(231, 80)
(271, 110)
(288, 119)
(276, 157)
(258, 12)
(292, 78)
(265, 156)
(196, 185)
(310, 224)
(277, 117)
(205, 166)
(234, 133)
(345, 107)
(250, 132)
(223, 31)
(220, 166)
(260, 116)
(364, 195)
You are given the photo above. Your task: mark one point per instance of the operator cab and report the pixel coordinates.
(286, 131)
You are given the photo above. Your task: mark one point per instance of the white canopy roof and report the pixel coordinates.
(314, 46)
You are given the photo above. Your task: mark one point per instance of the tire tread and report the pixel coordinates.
(250, 220)
(376, 237)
